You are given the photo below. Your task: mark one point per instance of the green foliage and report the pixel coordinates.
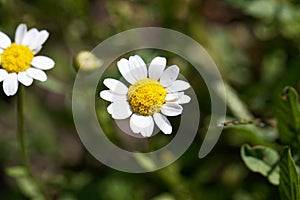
(240, 111)
(289, 181)
(255, 44)
(26, 184)
(265, 9)
(276, 17)
(280, 169)
(263, 160)
(237, 107)
(145, 162)
(164, 197)
(288, 116)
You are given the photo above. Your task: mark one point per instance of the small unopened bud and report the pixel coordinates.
(86, 61)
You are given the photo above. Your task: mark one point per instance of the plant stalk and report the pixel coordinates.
(24, 155)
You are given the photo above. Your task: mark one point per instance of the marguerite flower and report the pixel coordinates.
(153, 94)
(18, 61)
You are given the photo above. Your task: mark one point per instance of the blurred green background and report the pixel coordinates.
(255, 44)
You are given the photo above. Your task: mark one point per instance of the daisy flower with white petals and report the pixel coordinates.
(153, 94)
(18, 62)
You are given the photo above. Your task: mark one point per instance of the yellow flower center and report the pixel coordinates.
(146, 96)
(16, 58)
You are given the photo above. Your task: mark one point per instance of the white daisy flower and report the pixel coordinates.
(153, 94)
(18, 61)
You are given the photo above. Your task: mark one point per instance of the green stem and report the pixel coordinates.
(21, 131)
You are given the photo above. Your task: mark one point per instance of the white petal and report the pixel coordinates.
(38, 39)
(137, 67)
(174, 96)
(178, 85)
(24, 78)
(148, 130)
(10, 84)
(20, 33)
(37, 49)
(171, 109)
(3, 74)
(169, 75)
(120, 110)
(109, 109)
(157, 67)
(30, 37)
(41, 39)
(134, 123)
(123, 66)
(1, 51)
(116, 86)
(42, 62)
(4, 40)
(142, 124)
(184, 99)
(108, 95)
(37, 74)
(163, 123)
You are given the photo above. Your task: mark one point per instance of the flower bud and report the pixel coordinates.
(86, 61)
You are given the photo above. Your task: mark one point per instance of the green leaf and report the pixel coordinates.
(289, 183)
(236, 106)
(16, 171)
(263, 160)
(288, 116)
(164, 196)
(240, 111)
(145, 161)
(27, 184)
(29, 188)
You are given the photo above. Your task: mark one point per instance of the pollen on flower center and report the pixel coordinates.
(16, 58)
(146, 96)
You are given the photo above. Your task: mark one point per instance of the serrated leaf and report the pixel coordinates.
(263, 160)
(289, 183)
(288, 116)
